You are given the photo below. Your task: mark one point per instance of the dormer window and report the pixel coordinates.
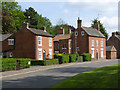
(10, 41)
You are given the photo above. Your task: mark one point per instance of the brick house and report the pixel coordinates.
(63, 42)
(111, 52)
(89, 40)
(114, 40)
(29, 43)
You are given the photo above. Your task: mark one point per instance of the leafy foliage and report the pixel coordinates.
(102, 28)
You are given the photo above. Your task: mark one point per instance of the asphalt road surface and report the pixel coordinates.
(45, 76)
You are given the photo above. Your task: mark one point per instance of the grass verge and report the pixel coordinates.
(105, 77)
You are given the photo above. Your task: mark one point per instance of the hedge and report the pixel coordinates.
(72, 58)
(64, 58)
(86, 57)
(44, 62)
(11, 63)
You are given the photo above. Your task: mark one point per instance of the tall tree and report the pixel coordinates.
(8, 24)
(102, 28)
(15, 13)
(31, 16)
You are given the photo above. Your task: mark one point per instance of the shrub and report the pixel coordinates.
(77, 56)
(11, 63)
(44, 62)
(86, 57)
(56, 55)
(72, 58)
(64, 58)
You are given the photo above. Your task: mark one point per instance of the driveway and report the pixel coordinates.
(45, 76)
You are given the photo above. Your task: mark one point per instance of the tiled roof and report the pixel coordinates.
(39, 32)
(109, 48)
(4, 36)
(93, 32)
(62, 36)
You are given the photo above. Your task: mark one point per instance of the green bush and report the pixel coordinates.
(64, 58)
(44, 62)
(56, 55)
(11, 63)
(86, 57)
(72, 58)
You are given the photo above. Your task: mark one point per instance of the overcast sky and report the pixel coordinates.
(70, 10)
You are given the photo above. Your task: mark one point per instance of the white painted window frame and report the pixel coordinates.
(97, 43)
(92, 42)
(101, 50)
(50, 41)
(40, 41)
(40, 58)
(93, 54)
(50, 53)
(101, 43)
(10, 41)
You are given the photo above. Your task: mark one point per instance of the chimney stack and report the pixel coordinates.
(79, 22)
(60, 30)
(113, 33)
(69, 30)
(25, 25)
(97, 26)
(44, 29)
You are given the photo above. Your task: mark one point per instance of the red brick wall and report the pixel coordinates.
(111, 55)
(26, 45)
(82, 42)
(99, 46)
(45, 46)
(113, 41)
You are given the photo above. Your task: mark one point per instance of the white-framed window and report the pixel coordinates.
(39, 41)
(40, 53)
(56, 51)
(11, 54)
(101, 52)
(10, 41)
(50, 53)
(76, 33)
(97, 43)
(82, 33)
(92, 42)
(101, 43)
(92, 52)
(50, 41)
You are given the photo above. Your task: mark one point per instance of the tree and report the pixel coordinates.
(8, 24)
(102, 28)
(15, 13)
(31, 16)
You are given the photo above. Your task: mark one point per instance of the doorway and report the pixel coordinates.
(97, 56)
(43, 55)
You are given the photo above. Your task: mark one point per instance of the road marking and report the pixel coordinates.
(47, 68)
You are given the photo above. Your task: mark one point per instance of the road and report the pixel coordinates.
(45, 76)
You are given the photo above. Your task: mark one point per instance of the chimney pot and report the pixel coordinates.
(44, 29)
(69, 31)
(79, 22)
(60, 30)
(97, 26)
(113, 33)
(25, 25)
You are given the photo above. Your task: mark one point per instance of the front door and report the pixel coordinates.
(43, 55)
(97, 55)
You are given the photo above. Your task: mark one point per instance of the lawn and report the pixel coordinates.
(105, 77)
